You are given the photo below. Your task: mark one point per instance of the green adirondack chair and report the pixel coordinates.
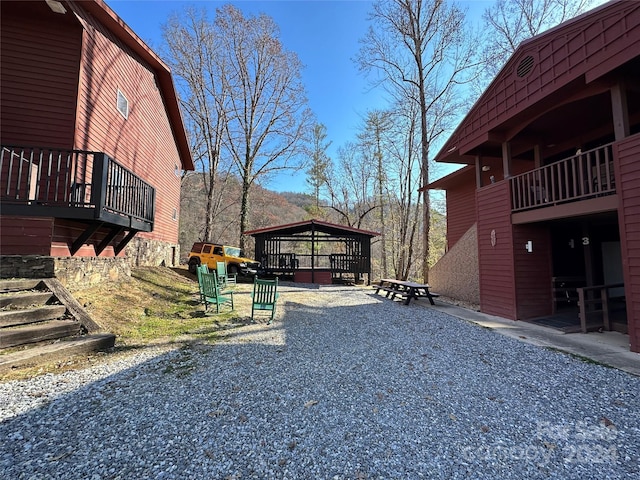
(225, 278)
(213, 293)
(200, 269)
(264, 296)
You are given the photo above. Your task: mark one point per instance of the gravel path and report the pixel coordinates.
(343, 385)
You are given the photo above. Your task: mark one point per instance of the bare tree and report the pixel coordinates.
(350, 185)
(317, 172)
(404, 198)
(194, 58)
(372, 140)
(508, 22)
(420, 51)
(267, 119)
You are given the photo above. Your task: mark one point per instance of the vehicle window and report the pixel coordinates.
(217, 251)
(206, 249)
(232, 251)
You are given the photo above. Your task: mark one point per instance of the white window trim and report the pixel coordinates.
(122, 96)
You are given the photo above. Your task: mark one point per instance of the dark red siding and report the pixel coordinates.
(497, 280)
(65, 232)
(532, 271)
(461, 212)
(582, 47)
(144, 141)
(627, 170)
(25, 235)
(39, 76)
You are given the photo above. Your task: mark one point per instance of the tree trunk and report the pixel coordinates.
(244, 210)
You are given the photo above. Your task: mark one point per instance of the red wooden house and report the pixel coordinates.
(93, 141)
(552, 186)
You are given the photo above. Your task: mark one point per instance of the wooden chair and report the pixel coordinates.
(224, 278)
(200, 269)
(213, 293)
(264, 296)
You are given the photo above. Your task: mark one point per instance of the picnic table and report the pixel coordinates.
(405, 289)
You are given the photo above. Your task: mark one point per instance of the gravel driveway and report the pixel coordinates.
(343, 385)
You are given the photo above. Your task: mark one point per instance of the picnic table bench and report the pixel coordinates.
(405, 289)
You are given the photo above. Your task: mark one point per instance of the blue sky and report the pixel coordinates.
(323, 33)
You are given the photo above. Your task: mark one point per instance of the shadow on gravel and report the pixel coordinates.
(345, 386)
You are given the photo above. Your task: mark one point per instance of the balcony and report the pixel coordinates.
(584, 176)
(90, 187)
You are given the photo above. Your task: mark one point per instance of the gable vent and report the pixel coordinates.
(525, 67)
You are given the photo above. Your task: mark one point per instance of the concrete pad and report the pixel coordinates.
(608, 348)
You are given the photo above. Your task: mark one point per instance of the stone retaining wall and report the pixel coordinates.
(143, 252)
(455, 275)
(76, 273)
(26, 266)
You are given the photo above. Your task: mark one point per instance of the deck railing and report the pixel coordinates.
(47, 177)
(585, 175)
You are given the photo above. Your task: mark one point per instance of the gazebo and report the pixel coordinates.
(314, 251)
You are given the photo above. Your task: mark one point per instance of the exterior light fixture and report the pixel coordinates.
(486, 168)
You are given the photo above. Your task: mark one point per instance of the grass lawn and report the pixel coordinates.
(157, 306)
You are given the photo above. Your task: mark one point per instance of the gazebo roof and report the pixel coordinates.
(309, 225)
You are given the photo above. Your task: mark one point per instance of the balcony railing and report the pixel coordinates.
(585, 175)
(73, 184)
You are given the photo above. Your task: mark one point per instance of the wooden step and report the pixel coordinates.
(24, 299)
(58, 350)
(9, 318)
(17, 284)
(12, 337)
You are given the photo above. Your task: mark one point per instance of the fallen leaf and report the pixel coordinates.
(292, 444)
(550, 446)
(484, 428)
(310, 403)
(282, 462)
(607, 423)
(209, 453)
(452, 417)
(59, 457)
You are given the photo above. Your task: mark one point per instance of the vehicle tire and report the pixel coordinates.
(194, 263)
(232, 270)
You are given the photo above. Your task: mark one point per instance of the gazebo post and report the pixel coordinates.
(313, 252)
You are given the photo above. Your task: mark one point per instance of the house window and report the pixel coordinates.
(123, 104)
(175, 214)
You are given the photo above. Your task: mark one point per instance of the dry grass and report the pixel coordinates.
(158, 307)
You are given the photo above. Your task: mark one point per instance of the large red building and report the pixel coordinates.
(552, 190)
(93, 142)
